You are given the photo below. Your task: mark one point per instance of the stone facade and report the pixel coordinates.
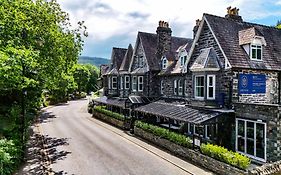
(271, 95)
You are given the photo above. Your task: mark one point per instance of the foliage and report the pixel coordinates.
(222, 154)
(94, 74)
(165, 133)
(9, 156)
(38, 48)
(278, 25)
(115, 115)
(81, 75)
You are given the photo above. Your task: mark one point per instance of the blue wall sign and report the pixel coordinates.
(252, 83)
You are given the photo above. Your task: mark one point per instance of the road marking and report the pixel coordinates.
(162, 157)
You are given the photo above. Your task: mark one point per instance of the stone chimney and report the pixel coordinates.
(232, 13)
(196, 27)
(164, 37)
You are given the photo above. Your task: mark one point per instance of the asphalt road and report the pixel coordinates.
(76, 143)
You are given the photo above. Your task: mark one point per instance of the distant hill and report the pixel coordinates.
(93, 60)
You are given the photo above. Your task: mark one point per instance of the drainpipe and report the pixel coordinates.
(279, 87)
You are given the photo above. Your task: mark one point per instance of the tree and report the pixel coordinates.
(81, 76)
(94, 73)
(38, 47)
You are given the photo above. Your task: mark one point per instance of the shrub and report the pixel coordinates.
(222, 154)
(165, 133)
(9, 156)
(101, 109)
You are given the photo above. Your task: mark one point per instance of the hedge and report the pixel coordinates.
(222, 154)
(165, 133)
(101, 109)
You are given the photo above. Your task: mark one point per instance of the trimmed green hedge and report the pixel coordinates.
(101, 109)
(222, 154)
(165, 133)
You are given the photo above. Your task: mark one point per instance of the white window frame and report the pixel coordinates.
(134, 83)
(114, 81)
(140, 82)
(175, 87)
(189, 127)
(206, 131)
(213, 86)
(127, 82)
(162, 87)
(164, 63)
(109, 82)
(183, 59)
(185, 87)
(195, 85)
(180, 86)
(256, 47)
(245, 138)
(121, 82)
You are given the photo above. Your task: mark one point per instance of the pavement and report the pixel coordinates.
(67, 140)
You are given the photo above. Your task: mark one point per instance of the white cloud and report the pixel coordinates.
(108, 18)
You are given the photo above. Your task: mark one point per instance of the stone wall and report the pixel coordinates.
(191, 155)
(271, 95)
(267, 169)
(110, 120)
(271, 114)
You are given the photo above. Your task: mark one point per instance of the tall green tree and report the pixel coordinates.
(81, 75)
(94, 73)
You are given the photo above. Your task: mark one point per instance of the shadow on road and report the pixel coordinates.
(46, 117)
(41, 152)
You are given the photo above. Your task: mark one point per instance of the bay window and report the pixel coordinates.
(127, 82)
(114, 82)
(140, 83)
(180, 87)
(199, 86)
(134, 83)
(121, 82)
(211, 88)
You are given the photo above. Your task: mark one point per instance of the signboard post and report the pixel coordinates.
(252, 84)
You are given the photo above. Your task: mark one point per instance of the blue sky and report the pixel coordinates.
(113, 23)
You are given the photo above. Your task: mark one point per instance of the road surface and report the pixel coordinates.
(75, 143)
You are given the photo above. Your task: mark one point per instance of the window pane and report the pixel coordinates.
(211, 92)
(240, 144)
(260, 140)
(241, 128)
(250, 130)
(250, 146)
(254, 53)
(259, 54)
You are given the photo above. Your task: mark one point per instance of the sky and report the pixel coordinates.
(115, 23)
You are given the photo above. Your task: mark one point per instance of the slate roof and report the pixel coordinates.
(104, 69)
(178, 112)
(127, 59)
(117, 56)
(175, 67)
(149, 42)
(227, 33)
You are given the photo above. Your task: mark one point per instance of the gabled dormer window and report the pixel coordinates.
(164, 63)
(256, 52)
(183, 60)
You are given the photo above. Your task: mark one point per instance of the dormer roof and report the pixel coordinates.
(226, 32)
(207, 60)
